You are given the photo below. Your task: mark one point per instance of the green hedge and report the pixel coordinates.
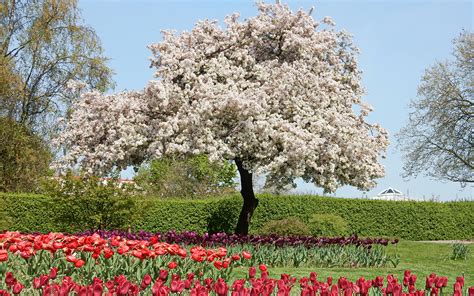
(406, 220)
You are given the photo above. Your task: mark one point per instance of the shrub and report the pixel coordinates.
(328, 225)
(88, 203)
(460, 251)
(287, 227)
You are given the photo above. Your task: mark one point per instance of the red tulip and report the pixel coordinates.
(71, 258)
(470, 291)
(246, 255)
(218, 264)
(3, 255)
(252, 272)
(53, 273)
(36, 283)
(172, 265)
(262, 267)
(79, 263)
(9, 279)
(97, 289)
(177, 286)
(17, 287)
(163, 274)
(429, 282)
(342, 283)
(329, 280)
(146, 281)
(457, 289)
(460, 280)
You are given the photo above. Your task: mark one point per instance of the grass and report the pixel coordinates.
(422, 258)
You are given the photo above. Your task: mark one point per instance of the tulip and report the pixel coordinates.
(3, 255)
(17, 287)
(53, 273)
(79, 263)
(172, 265)
(163, 274)
(146, 281)
(252, 272)
(470, 291)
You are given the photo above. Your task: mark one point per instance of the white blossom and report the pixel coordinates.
(275, 91)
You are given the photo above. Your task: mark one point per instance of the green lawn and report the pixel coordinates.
(420, 257)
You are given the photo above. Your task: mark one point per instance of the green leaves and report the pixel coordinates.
(189, 177)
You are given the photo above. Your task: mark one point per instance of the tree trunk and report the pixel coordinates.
(250, 202)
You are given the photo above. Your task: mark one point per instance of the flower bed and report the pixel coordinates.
(274, 250)
(196, 285)
(206, 239)
(59, 264)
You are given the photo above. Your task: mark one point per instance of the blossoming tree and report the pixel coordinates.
(274, 93)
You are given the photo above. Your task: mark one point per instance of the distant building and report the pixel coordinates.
(391, 194)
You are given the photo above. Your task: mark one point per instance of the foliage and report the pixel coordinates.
(43, 45)
(285, 227)
(190, 177)
(24, 157)
(87, 202)
(438, 139)
(373, 218)
(460, 251)
(327, 225)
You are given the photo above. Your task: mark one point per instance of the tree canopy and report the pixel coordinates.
(438, 140)
(24, 157)
(44, 44)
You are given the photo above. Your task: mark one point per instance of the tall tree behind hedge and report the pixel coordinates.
(43, 45)
(274, 93)
(188, 177)
(24, 157)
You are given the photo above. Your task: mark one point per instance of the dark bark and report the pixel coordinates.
(250, 202)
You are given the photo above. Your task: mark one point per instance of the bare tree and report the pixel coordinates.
(438, 139)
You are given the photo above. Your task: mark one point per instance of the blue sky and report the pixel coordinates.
(398, 41)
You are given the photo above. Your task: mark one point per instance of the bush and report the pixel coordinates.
(460, 251)
(367, 218)
(88, 203)
(328, 225)
(287, 227)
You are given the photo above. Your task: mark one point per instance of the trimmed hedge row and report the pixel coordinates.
(403, 219)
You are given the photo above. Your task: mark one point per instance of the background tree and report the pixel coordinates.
(189, 177)
(24, 157)
(44, 44)
(274, 93)
(438, 139)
